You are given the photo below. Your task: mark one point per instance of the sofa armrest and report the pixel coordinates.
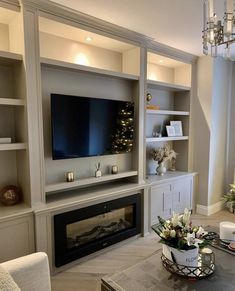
(31, 272)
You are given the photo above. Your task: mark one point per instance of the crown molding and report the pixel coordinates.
(168, 51)
(84, 21)
(10, 4)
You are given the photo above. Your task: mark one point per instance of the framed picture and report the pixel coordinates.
(178, 127)
(170, 130)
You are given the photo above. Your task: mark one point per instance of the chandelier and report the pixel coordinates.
(217, 32)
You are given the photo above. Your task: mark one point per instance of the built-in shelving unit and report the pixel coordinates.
(167, 86)
(169, 83)
(102, 68)
(81, 68)
(13, 146)
(11, 57)
(12, 102)
(166, 112)
(87, 181)
(13, 110)
(166, 138)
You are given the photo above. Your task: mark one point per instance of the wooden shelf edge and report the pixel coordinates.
(9, 56)
(167, 112)
(169, 86)
(166, 138)
(12, 146)
(87, 181)
(11, 101)
(76, 67)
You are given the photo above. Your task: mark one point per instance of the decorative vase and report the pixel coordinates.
(161, 169)
(182, 257)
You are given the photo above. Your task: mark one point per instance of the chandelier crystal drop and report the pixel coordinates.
(218, 32)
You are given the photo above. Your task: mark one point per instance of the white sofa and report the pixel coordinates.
(31, 272)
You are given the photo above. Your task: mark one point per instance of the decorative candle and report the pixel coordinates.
(114, 169)
(227, 231)
(207, 256)
(69, 177)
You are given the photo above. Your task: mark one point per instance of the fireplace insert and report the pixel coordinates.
(86, 230)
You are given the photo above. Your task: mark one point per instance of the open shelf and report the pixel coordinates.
(166, 138)
(75, 67)
(12, 146)
(167, 112)
(11, 101)
(10, 57)
(87, 181)
(166, 86)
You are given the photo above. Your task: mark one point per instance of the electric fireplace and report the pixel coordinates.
(84, 231)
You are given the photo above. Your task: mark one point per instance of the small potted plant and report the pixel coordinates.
(180, 239)
(161, 155)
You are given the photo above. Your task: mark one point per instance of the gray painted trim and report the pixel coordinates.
(168, 51)
(10, 4)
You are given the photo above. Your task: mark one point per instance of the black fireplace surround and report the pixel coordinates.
(86, 230)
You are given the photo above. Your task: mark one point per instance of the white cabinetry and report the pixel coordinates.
(175, 195)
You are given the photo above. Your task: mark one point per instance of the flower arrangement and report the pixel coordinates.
(229, 198)
(163, 154)
(178, 232)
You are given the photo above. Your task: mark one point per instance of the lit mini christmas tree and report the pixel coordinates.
(123, 136)
(230, 197)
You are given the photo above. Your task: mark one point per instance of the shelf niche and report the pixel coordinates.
(73, 45)
(169, 83)
(111, 72)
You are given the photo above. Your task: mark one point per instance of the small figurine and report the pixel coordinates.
(98, 172)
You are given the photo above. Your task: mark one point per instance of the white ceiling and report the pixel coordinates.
(177, 23)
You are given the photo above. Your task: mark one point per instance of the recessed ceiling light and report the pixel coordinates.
(161, 61)
(88, 38)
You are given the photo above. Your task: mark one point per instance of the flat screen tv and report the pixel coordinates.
(86, 126)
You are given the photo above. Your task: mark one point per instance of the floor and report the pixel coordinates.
(86, 275)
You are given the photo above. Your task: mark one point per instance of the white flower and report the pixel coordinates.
(190, 238)
(192, 241)
(201, 232)
(173, 233)
(186, 216)
(175, 219)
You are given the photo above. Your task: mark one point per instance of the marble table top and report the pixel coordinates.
(150, 275)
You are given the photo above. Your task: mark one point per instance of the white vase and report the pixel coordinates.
(181, 257)
(161, 169)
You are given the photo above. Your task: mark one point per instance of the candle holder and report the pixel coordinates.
(114, 169)
(69, 176)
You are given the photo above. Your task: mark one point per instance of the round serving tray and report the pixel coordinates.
(199, 272)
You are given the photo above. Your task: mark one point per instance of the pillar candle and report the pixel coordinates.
(227, 231)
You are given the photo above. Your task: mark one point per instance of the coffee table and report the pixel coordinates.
(150, 275)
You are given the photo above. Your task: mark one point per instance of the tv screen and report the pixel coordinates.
(85, 126)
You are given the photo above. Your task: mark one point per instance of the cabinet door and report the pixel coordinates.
(182, 195)
(161, 202)
(17, 237)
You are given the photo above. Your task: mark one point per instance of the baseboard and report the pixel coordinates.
(211, 209)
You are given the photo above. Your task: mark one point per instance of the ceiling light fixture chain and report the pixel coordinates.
(217, 32)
